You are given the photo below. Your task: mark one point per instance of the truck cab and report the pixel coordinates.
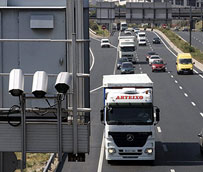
(126, 48)
(129, 118)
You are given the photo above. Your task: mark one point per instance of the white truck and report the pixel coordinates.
(141, 38)
(127, 48)
(129, 117)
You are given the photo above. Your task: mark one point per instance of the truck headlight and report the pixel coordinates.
(149, 150)
(111, 150)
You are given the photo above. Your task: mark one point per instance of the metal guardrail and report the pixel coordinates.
(51, 161)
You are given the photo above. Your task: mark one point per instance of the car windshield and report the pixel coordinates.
(124, 25)
(141, 35)
(123, 60)
(142, 40)
(130, 115)
(155, 57)
(127, 49)
(158, 62)
(105, 41)
(127, 65)
(156, 38)
(152, 53)
(185, 61)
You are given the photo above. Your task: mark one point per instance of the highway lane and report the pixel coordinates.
(197, 38)
(177, 143)
(105, 59)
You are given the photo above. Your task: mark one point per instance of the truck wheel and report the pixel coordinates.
(110, 162)
(178, 72)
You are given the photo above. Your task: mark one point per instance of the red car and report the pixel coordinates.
(158, 65)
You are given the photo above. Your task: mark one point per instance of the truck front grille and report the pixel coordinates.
(130, 139)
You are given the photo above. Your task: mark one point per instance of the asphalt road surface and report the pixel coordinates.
(180, 99)
(196, 38)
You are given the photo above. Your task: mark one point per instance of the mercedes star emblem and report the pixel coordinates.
(130, 137)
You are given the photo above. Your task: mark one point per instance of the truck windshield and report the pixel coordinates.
(127, 49)
(130, 115)
(185, 61)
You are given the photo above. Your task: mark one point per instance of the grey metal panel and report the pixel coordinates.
(10, 51)
(42, 137)
(3, 3)
(42, 56)
(1, 63)
(36, 2)
(42, 22)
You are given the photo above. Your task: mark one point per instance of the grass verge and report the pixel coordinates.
(35, 161)
(98, 29)
(182, 45)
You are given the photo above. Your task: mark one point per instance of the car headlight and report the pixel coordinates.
(111, 150)
(149, 150)
(153, 66)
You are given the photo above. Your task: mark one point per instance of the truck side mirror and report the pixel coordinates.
(176, 63)
(193, 63)
(157, 114)
(102, 115)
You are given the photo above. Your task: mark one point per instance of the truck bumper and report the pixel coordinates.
(130, 155)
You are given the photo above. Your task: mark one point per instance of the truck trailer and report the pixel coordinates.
(130, 117)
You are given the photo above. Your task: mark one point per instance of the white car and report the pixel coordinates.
(105, 43)
(128, 32)
(142, 42)
(154, 57)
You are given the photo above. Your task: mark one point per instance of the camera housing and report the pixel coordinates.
(16, 82)
(63, 82)
(39, 84)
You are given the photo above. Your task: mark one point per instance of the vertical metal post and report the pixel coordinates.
(1, 162)
(190, 25)
(75, 126)
(23, 130)
(59, 127)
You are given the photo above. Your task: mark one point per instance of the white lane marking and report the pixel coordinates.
(180, 87)
(165, 148)
(201, 114)
(171, 76)
(201, 76)
(101, 157)
(195, 71)
(176, 81)
(96, 89)
(185, 95)
(159, 129)
(193, 104)
(140, 68)
(169, 72)
(172, 170)
(165, 44)
(141, 72)
(93, 59)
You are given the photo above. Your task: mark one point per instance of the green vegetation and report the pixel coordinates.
(98, 29)
(182, 45)
(35, 161)
(198, 25)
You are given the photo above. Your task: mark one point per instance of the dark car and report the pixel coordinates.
(156, 40)
(127, 68)
(120, 61)
(158, 65)
(149, 54)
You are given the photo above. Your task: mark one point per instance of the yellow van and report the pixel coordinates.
(184, 63)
